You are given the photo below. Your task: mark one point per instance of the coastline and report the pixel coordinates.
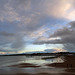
(69, 62)
(64, 68)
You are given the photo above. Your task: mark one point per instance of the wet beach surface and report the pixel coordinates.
(22, 65)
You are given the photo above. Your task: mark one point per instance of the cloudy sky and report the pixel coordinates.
(36, 25)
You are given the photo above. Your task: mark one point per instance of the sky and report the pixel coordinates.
(37, 25)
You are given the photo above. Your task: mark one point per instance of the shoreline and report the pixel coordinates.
(68, 67)
(69, 62)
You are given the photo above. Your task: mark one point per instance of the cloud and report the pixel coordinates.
(2, 50)
(44, 40)
(60, 9)
(26, 10)
(59, 50)
(64, 36)
(23, 18)
(53, 7)
(40, 32)
(6, 34)
(18, 43)
(56, 8)
(55, 50)
(11, 41)
(16, 22)
(6, 38)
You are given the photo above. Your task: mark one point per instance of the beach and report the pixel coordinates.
(62, 65)
(69, 62)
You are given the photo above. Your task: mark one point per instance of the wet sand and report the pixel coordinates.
(69, 62)
(24, 65)
(39, 74)
(29, 74)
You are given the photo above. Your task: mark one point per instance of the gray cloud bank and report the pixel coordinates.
(66, 37)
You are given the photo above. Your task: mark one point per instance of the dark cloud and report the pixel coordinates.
(45, 41)
(69, 46)
(18, 43)
(2, 50)
(67, 34)
(66, 37)
(6, 34)
(72, 25)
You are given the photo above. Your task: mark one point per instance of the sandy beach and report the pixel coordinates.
(64, 68)
(69, 62)
(39, 74)
(24, 65)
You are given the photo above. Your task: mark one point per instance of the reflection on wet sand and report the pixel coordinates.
(37, 66)
(24, 65)
(69, 62)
